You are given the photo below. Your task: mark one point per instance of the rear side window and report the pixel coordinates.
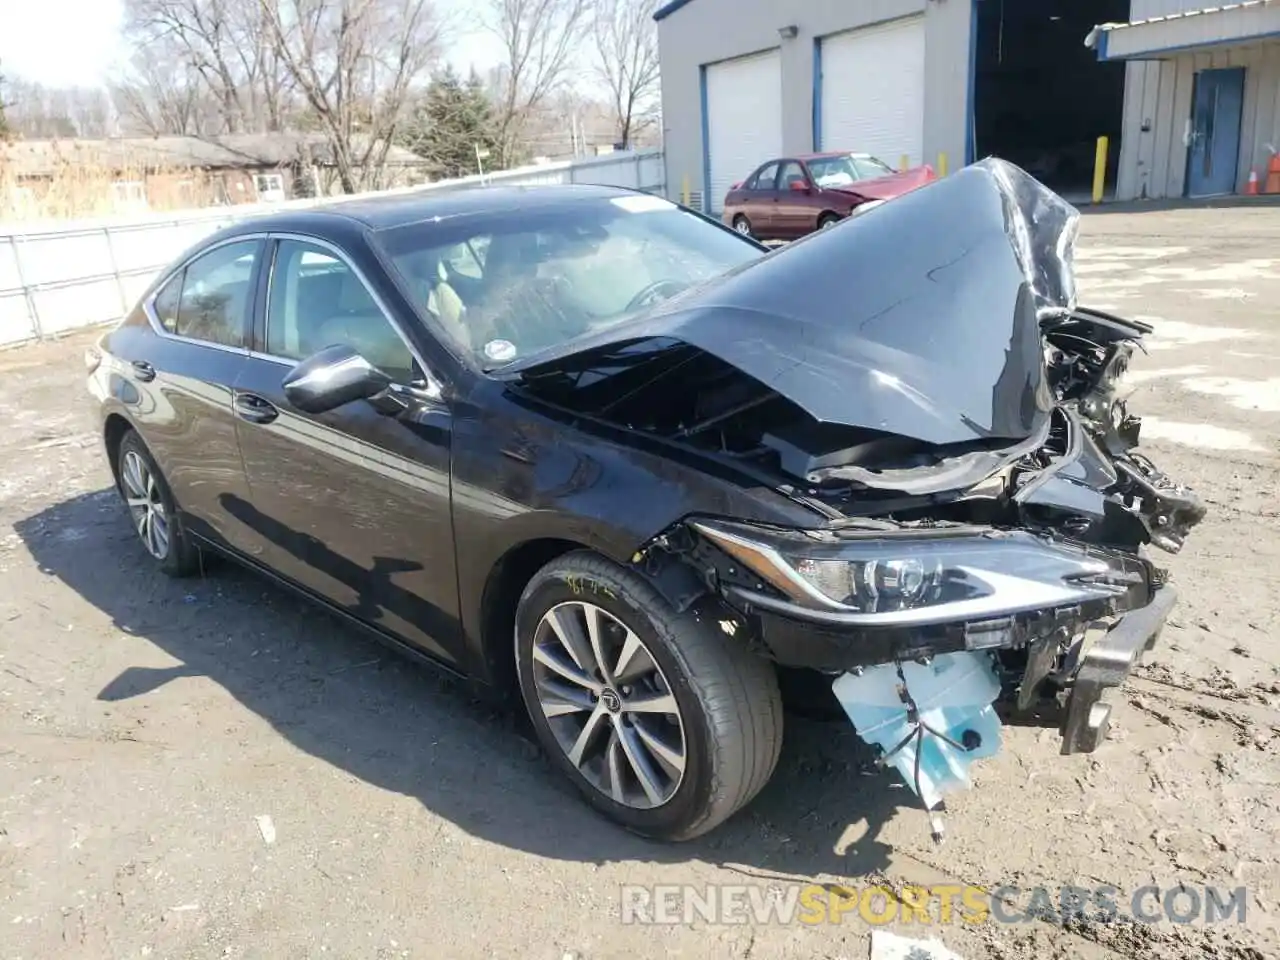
(209, 300)
(764, 180)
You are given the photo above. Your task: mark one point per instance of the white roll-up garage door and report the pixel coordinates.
(744, 119)
(873, 91)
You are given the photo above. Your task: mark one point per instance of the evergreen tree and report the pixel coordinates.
(453, 119)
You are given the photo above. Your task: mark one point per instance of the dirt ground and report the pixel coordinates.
(213, 769)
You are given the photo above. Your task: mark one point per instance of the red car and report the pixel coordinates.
(790, 197)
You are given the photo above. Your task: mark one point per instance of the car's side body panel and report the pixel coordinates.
(184, 414)
(354, 505)
(522, 474)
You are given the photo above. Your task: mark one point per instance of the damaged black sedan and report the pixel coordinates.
(597, 452)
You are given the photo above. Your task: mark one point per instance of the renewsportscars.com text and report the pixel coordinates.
(937, 904)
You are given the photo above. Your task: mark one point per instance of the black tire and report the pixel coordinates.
(730, 707)
(742, 225)
(182, 558)
(828, 220)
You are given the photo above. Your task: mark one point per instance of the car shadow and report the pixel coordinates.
(338, 695)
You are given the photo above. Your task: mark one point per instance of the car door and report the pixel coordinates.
(761, 200)
(178, 374)
(797, 212)
(352, 504)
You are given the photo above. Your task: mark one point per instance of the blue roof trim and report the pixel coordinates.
(665, 11)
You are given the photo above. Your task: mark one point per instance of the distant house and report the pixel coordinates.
(74, 177)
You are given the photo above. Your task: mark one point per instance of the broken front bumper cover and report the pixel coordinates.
(1000, 594)
(1107, 664)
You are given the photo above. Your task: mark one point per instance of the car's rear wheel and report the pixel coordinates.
(828, 220)
(742, 225)
(665, 722)
(153, 510)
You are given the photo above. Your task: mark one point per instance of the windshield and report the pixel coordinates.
(843, 170)
(506, 285)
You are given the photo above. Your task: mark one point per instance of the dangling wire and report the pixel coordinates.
(917, 732)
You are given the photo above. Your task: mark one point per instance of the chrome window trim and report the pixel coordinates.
(433, 391)
(148, 302)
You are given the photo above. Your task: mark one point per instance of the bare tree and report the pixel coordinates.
(160, 97)
(539, 38)
(42, 112)
(225, 46)
(355, 62)
(626, 46)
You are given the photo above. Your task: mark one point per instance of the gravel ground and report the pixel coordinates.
(214, 769)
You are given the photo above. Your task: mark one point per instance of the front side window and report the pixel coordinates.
(317, 300)
(792, 176)
(504, 285)
(209, 299)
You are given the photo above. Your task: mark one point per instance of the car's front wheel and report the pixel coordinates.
(665, 721)
(742, 225)
(153, 510)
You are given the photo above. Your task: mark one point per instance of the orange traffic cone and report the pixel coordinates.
(1251, 188)
(1273, 174)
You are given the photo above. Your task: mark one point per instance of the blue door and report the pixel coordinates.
(1216, 103)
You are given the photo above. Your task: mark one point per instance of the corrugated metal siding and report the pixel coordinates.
(1153, 163)
(1226, 24)
(1142, 9)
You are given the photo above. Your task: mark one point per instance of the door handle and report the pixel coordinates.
(251, 407)
(144, 371)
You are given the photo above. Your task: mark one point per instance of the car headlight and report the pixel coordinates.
(919, 577)
(866, 207)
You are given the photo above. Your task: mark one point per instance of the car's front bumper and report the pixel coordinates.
(1107, 664)
(815, 639)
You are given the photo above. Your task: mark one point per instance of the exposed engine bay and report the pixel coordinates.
(1079, 476)
(958, 425)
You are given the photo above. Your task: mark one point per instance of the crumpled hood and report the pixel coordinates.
(919, 318)
(890, 185)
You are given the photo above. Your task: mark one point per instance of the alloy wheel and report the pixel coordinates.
(146, 504)
(743, 227)
(609, 705)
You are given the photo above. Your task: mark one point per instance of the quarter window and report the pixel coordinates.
(317, 300)
(209, 299)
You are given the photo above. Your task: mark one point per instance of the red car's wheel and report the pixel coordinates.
(742, 225)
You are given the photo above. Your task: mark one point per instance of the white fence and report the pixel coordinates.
(63, 275)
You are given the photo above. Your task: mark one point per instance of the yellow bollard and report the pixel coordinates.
(684, 191)
(1100, 170)
(942, 164)
(904, 164)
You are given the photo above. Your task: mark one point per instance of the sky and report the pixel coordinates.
(78, 42)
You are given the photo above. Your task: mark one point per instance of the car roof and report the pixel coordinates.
(402, 209)
(833, 153)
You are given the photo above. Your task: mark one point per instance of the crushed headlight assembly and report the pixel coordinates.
(920, 577)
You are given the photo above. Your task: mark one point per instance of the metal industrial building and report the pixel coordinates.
(1202, 95)
(1188, 98)
(743, 80)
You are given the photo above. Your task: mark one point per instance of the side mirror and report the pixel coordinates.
(332, 377)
